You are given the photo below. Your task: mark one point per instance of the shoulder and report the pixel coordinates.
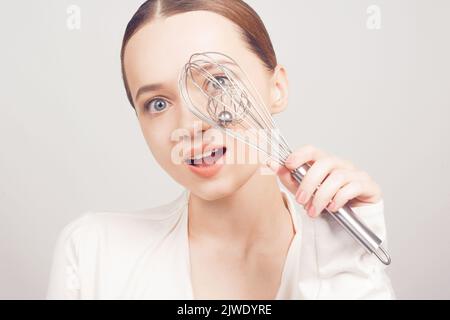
(117, 226)
(98, 251)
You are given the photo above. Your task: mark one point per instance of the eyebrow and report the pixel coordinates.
(148, 88)
(159, 86)
(223, 63)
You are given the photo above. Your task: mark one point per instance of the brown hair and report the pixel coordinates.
(237, 11)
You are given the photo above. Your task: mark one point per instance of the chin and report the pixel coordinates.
(223, 187)
(214, 190)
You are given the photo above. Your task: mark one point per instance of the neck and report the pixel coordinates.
(255, 212)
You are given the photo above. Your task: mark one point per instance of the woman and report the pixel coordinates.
(233, 234)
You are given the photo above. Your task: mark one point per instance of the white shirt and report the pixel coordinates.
(145, 255)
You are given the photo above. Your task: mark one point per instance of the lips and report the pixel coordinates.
(208, 163)
(208, 157)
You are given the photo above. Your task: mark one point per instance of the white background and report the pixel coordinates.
(71, 143)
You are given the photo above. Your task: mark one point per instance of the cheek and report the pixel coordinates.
(158, 139)
(261, 88)
(242, 161)
(264, 91)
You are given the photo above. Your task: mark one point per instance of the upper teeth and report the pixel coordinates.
(204, 155)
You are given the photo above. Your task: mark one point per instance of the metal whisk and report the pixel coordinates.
(219, 92)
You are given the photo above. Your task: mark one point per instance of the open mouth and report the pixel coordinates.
(208, 158)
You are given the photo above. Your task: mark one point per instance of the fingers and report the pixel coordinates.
(361, 191)
(304, 155)
(330, 182)
(345, 194)
(316, 175)
(325, 196)
(285, 176)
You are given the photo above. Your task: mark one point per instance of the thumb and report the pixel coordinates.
(284, 175)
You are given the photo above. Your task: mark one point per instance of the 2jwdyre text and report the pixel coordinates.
(226, 310)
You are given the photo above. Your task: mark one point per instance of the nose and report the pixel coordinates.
(190, 122)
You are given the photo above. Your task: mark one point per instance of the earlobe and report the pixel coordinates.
(280, 90)
(279, 96)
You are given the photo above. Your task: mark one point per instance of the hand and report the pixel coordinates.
(330, 183)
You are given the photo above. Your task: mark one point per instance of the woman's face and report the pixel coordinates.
(153, 60)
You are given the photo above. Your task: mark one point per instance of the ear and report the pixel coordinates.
(279, 90)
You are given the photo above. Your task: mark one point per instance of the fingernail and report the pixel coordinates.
(301, 197)
(311, 211)
(307, 206)
(331, 206)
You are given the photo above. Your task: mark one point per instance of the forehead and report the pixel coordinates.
(159, 50)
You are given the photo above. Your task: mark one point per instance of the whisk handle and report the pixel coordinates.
(350, 222)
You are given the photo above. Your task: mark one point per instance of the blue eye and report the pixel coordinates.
(156, 105)
(220, 83)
